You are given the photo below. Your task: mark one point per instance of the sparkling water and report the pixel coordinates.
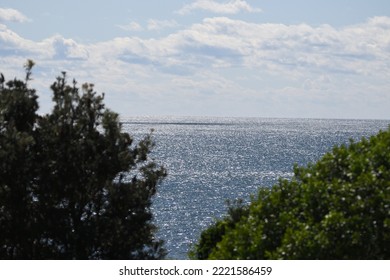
(211, 160)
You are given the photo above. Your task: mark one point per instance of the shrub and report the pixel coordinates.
(337, 208)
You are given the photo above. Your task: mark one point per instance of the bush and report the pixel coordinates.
(337, 208)
(72, 184)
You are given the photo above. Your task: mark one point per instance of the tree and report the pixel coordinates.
(337, 208)
(73, 185)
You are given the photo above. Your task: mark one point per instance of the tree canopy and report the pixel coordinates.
(73, 185)
(336, 208)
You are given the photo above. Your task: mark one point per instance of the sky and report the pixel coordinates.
(228, 58)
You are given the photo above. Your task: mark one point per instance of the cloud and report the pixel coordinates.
(58, 47)
(231, 7)
(352, 49)
(132, 26)
(224, 42)
(154, 24)
(12, 15)
(13, 44)
(225, 59)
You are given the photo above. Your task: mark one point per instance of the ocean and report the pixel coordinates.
(212, 160)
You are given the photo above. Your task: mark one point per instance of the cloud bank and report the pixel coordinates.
(223, 66)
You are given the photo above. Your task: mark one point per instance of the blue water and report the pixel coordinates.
(210, 160)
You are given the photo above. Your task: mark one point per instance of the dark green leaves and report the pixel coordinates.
(64, 187)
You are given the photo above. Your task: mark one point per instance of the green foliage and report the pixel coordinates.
(72, 184)
(215, 232)
(337, 208)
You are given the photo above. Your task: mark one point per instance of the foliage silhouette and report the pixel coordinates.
(72, 184)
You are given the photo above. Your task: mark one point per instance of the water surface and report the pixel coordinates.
(210, 160)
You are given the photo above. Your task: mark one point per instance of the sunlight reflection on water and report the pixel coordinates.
(210, 160)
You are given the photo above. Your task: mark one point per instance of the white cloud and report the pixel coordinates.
(359, 49)
(225, 59)
(12, 15)
(231, 7)
(132, 26)
(354, 49)
(12, 43)
(223, 42)
(58, 47)
(154, 24)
